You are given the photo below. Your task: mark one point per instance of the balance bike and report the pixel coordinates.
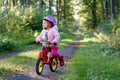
(49, 60)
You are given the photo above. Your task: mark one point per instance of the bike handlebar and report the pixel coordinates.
(47, 42)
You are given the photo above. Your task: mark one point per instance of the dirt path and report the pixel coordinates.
(67, 52)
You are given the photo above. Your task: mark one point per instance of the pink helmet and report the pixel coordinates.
(50, 19)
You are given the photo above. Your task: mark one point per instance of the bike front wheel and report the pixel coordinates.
(39, 66)
(53, 63)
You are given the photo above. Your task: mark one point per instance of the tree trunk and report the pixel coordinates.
(94, 14)
(59, 8)
(114, 8)
(65, 12)
(14, 2)
(28, 3)
(50, 4)
(117, 7)
(58, 11)
(107, 10)
(21, 2)
(103, 10)
(111, 10)
(41, 3)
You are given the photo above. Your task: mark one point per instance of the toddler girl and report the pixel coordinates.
(50, 33)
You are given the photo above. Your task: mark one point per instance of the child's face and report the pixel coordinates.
(46, 24)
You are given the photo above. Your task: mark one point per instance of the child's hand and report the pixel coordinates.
(55, 44)
(36, 41)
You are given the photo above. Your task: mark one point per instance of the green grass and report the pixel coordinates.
(90, 63)
(19, 46)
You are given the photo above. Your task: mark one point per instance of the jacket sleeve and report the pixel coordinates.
(56, 36)
(39, 38)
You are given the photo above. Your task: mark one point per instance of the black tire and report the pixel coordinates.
(53, 64)
(39, 66)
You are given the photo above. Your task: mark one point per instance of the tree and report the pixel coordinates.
(41, 3)
(103, 9)
(58, 6)
(94, 4)
(28, 2)
(65, 12)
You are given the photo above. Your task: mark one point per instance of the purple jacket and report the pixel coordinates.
(53, 35)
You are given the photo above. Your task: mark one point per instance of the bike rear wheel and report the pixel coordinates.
(53, 64)
(39, 66)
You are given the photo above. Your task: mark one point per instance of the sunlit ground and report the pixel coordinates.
(65, 42)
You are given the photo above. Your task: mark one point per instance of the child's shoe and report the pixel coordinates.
(61, 61)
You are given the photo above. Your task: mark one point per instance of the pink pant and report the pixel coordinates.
(53, 50)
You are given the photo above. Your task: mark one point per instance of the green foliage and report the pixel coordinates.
(115, 35)
(108, 26)
(8, 45)
(109, 32)
(67, 35)
(90, 62)
(65, 14)
(17, 25)
(35, 23)
(103, 12)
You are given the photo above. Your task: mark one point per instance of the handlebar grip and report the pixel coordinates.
(55, 44)
(36, 42)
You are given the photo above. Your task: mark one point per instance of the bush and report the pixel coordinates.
(109, 33)
(8, 45)
(115, 39)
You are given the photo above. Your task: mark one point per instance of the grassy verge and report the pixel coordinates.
(91, 63)
(26, 60)
(17, 46)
